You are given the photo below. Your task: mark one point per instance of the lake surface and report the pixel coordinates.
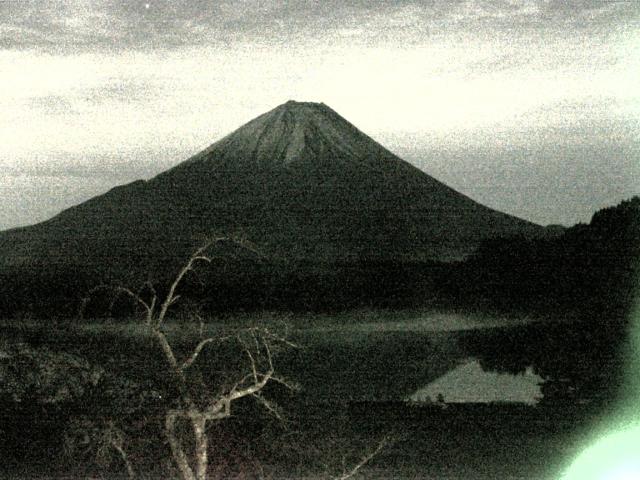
(400, 358)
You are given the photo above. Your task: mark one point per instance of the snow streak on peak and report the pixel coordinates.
(295, 132)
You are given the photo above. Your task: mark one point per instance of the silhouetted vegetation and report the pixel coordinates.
(586, 279)
(589, 269)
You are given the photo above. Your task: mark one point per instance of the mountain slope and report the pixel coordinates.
(300, 181)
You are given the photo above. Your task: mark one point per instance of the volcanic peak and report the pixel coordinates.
(300, 180)
(290, 133)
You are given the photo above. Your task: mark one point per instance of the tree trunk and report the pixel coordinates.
(202, 462)
(176, 448)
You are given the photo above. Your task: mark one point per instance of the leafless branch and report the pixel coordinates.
(200, 325)
(247, 245)
(134, 296)
(294, 387)
(152, 309)
(279, 338)
(119, 290)
(237, 386)
(197, 256)
(252, 360)
(201, 258)
(150, 286)
(194, 273)
(237, 392)
(194, 356)
(366, 459)
(271, 407)
(125, 459)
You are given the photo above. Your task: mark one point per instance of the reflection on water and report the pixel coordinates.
(468, 383)
(364, 360)
(420, 322)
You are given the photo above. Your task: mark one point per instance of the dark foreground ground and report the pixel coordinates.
(469, 441)
(324, 434)
(322, 441)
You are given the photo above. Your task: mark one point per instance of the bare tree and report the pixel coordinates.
(198, 404)
(197, 408)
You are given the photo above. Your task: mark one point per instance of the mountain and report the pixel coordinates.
(299, 181)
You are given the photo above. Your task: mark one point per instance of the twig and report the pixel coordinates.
(366, 459)
(271, 407)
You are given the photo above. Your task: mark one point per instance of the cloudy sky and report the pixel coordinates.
(531, 107)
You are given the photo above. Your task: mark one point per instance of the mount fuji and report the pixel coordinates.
(299, 181)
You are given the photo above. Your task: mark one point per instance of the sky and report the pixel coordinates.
(531, 107)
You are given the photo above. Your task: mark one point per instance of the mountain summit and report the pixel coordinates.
(300, 181)
(294, 132)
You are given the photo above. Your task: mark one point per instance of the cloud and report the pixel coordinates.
(110, 94)
(125, 90)
(52, 105)
(106, 167)
(81, 25)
